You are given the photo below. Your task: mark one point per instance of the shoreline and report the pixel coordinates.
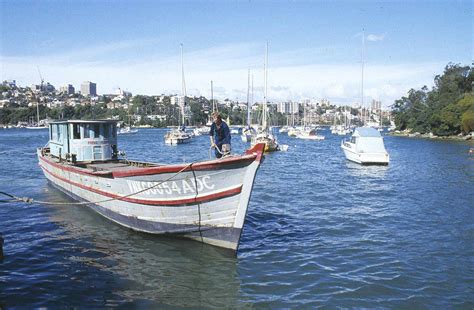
(469, 137)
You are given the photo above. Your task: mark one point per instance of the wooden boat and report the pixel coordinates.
(206, 201)
(366, 147)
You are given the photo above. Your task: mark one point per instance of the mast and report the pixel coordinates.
(38, 101)
(264, 118)
(214, 105)
(362, 78)
(183, 86)
(251, 98)
(248, 99)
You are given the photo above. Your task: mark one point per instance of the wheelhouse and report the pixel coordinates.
(83, 141)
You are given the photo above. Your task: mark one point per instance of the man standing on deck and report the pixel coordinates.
(220, 135)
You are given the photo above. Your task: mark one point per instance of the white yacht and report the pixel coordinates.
(177, 136)
(366, 147)
(309, 134)
(127, 130)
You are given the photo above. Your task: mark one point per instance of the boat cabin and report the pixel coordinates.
(368, 140)
(83, 141)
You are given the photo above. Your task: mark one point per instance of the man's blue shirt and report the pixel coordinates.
(221, 134)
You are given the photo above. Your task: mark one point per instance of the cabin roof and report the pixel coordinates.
(366, 132)
(101, 121)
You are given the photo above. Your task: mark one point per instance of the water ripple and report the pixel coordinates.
(320, 232)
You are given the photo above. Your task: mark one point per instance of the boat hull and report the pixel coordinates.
(205, 201)
(176, 141)
(365, 158)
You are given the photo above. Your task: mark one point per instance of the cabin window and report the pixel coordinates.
(76, 131)
(97, 153)
(106, 129)
(114, 130)
(96, 130)
(353, 140)
(54, 132)
(86, 131)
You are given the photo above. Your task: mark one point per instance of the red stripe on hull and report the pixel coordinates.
(206, 198)
(208, 165)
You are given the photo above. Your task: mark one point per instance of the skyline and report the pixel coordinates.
(314, 47)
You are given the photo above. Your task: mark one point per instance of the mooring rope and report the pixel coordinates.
(195, 198)
(31, 200)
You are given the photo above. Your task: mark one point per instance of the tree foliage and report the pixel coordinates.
(447, 109)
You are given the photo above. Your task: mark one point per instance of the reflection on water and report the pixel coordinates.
(165, 270)
(364, 171)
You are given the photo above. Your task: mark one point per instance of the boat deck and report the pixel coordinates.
(107, 166)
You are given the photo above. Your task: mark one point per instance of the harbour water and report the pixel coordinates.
(320, 231)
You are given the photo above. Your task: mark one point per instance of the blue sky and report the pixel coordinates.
(314, 46)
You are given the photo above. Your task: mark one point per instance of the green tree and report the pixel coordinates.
(441, 109)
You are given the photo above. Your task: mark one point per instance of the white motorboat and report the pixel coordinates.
(177, 136)
(127, 130)
(366, 147)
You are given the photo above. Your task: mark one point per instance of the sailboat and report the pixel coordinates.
(366, 144)
(248, 131)
(264, 135)
(37, 125)
(179, 135)
(308, 133)
(127, 130)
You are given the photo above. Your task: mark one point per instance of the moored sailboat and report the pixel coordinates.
(179, 135)
(263, 134)
(248, 131)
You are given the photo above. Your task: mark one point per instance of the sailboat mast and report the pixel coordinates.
(183, 86)
(264, 119)
(251, 97)
(37, 112)
(214, 105)
(362, 78)
(248, 99)
(39, 98)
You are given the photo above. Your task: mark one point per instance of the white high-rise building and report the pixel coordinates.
(288, 107)
(89, 89)
(179, 100)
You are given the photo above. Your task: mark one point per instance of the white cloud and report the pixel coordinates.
(375, 37)
(227, 66)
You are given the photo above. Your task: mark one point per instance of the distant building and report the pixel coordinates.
(376, 105)
(10, 83)
(179, 100)
(46, 87)
(89, 89)
(288, 107)
(68, 90)
(325, 103)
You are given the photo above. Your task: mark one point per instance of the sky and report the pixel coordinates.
(314, 47)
